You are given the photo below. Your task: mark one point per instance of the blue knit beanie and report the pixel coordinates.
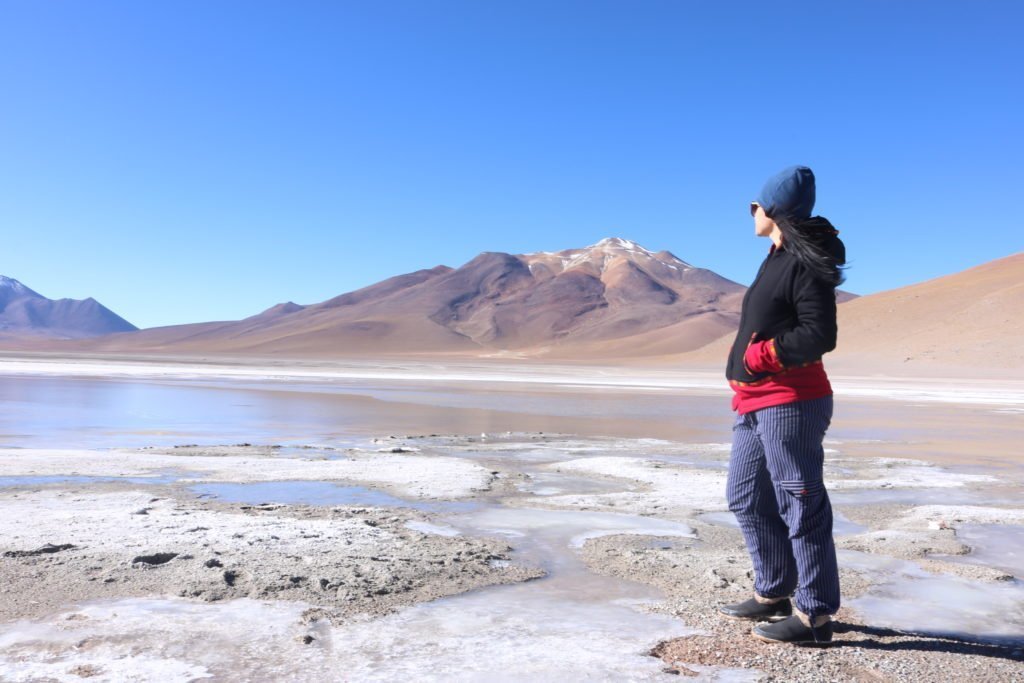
(789, 192)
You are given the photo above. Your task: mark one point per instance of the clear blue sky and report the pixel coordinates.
(189, 161)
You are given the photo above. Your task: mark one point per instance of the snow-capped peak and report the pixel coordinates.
(609, 248)
(12, 285)
(618, 243)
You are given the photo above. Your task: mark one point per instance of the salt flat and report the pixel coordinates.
(1004, 392)
(477, 546)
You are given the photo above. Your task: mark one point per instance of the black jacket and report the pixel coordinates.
(788, 303)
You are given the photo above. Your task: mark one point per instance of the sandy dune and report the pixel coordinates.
(971, 319)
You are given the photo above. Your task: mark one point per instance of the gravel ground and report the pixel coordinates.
(714, 569)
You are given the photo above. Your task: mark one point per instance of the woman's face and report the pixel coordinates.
(763, 225)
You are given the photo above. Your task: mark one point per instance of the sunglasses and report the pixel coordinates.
(753, 208)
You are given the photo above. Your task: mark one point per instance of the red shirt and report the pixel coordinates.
(789, 384)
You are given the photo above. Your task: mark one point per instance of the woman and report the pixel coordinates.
(784, 404)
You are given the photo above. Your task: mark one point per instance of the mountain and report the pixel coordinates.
(610, 300)
(26, 313)
(610, 297)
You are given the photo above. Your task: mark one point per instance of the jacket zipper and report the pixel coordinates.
(757, 278)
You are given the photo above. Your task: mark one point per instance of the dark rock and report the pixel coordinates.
(155, 559)
(47, 549)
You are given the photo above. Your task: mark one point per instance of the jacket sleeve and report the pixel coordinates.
(815, 331)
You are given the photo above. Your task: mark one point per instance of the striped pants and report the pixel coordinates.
(776, 491)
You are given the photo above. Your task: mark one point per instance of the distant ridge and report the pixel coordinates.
(26, 313)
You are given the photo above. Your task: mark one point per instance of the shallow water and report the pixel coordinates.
(18, 482)
(89, 413)
(82, 412)
(907, 598)
(992, 545)
(924, 496)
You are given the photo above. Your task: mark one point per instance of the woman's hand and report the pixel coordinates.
(761, 356)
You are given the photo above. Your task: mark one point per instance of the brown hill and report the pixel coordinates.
(613, 296)
(967, 323)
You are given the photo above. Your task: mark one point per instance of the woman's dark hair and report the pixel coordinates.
(806, 240)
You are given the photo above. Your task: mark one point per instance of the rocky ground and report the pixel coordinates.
(117, 543)
(65, 542)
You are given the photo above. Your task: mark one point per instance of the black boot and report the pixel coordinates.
(794, 630)
(758, 611)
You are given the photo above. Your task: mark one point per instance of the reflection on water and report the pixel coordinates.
(83, 413)
(51, 411)
(993, 545)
